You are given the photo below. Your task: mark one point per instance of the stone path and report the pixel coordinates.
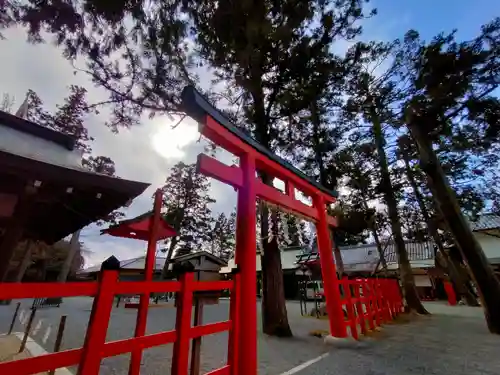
(454, 341)
(9, 349)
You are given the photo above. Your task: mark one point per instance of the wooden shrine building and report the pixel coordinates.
(45, 192)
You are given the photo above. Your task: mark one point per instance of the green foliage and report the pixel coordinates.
(222, 236)
(186, 204)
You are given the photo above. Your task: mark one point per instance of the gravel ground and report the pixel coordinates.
(275, 355)
(454, 341)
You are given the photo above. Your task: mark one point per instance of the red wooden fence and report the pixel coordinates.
(369, 303)
(96, 348)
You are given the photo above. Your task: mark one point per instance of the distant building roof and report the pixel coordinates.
(486, 222)
(29, 127)
(197, 254)
(129, 264)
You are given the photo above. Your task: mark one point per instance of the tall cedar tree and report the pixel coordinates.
(223, 236)
(186, 204)
(372, 100)
(265, 50)
(69, 118)
(314, 136)
(357, 164)
(148, 38)
(456, 274)
(452, 86)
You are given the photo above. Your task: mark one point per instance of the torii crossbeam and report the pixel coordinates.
(253, 158)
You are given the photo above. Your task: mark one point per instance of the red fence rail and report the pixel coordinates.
(369, 303)
(96, 348)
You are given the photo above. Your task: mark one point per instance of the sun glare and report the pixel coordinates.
(171, 143)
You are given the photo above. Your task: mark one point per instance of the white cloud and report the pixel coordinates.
(144, 153)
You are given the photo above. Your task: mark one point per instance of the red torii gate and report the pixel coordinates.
(254, 157)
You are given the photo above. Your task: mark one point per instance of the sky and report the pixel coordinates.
(147, 152)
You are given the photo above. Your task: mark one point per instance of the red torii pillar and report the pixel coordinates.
(253, 158)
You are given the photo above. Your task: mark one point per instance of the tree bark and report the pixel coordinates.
(373, 228)
(170, 253)
(405, 272)
(25, 262)
(68, 261)
(482, 273)
(455, 275)
(274, 312)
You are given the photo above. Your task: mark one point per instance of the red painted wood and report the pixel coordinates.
(40, 290)
(213, 168)
(275, 196)
(138, 287)
(118, 347)
(180, 358)
(233, 176)
(95, 348)
(367, 292)
(42, 363)
(450, 292)
(359, 306)
(142, 313)
(234, 316)
(98, 325)
(224, 138)
(245, 252)
(209, 329)
(352, 321)
(329, 272)
(290, 190)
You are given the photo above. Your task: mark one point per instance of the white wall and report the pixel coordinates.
(490, 245)
(29, 146)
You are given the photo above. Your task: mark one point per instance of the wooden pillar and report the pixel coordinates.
(247, 263)
(15, 230)
(74, 243)
(25, 262)
(329, 272)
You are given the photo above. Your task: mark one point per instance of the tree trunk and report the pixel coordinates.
(25, 262)
(73, 248)
(455, 275)
(484, 277)
(170, 253)
(405, 271)
(373, 229)
(274, 312)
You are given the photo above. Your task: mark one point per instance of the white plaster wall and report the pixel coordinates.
(490, 245)
(29, 146)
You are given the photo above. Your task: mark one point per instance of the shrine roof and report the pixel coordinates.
(138, 228)
(198, 107)
(29, 127)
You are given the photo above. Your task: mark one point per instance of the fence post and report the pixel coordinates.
(180, 356)
(14, 318)
(367, 293)
(381, 301)
(349, 307)
(232, 350)
(58, 343)
(376, 307)
(27, 331)
(359, 306)
(99, 320)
